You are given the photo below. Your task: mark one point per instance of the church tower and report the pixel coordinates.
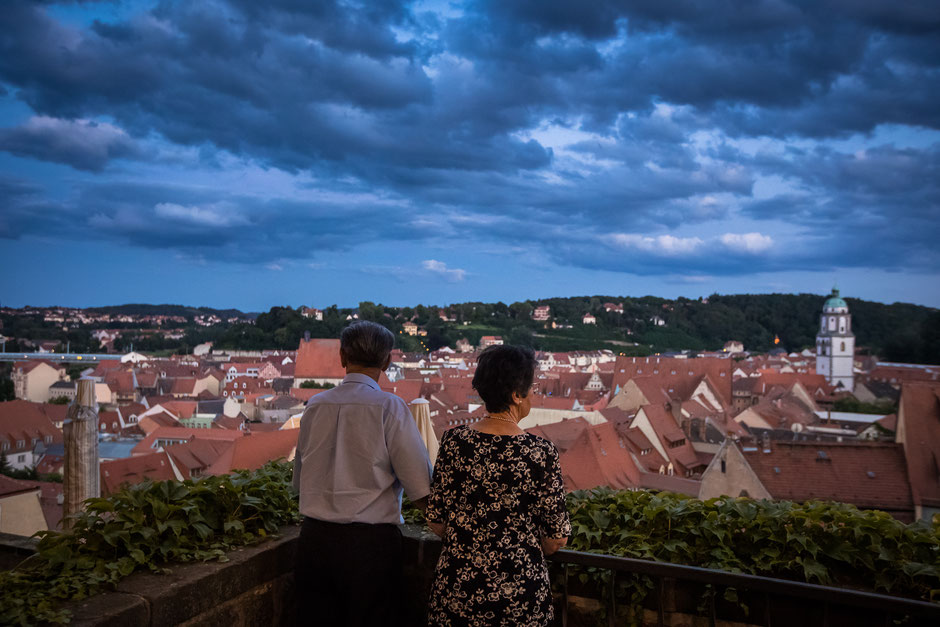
(835, 343)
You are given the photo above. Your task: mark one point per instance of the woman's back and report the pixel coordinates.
(498, 495)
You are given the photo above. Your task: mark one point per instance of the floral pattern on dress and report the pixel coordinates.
(498, 495)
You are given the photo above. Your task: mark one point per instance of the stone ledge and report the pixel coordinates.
(256, 582)
(14, 549)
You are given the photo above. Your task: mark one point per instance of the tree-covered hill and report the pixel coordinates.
(897, 332)
(142, 309)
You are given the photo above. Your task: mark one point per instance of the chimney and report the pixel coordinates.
(675, 406)
(765, 442)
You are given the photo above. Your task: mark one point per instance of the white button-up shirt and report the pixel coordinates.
(358, 447)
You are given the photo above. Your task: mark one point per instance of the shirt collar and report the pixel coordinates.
(355, 377)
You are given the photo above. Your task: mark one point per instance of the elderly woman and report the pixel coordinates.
(498, 501)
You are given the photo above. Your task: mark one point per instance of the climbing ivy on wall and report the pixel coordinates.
(146, 527)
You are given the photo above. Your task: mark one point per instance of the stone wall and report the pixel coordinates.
(254, 587)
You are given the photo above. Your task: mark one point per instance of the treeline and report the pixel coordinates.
(142, 309)
(896, 332)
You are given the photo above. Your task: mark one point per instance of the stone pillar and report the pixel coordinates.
(81, 451)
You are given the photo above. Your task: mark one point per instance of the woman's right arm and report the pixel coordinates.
(437, 528)
(554, 524)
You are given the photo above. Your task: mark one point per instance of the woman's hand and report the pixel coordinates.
(550, 545)
(437, 528)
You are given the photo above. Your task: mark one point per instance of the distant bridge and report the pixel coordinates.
(68, 358)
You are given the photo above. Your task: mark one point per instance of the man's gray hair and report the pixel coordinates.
(366, 344)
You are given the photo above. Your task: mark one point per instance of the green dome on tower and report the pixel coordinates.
(834, 301)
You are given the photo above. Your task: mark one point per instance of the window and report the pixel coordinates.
(843, 347)
(5, 446)
(723, 466)
(20, 443)
(21, 459)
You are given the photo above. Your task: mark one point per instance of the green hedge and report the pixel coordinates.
(153, 524)
(817, 542)
(146, 527)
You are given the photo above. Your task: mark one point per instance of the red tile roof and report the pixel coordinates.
(919, 430)
(146, 379)
(551, 402)
(120, 381)
(151, 422)
(889, 422)
(869, 475)
(905, 374)
(183, 386)
(28, 366)
(562, 434)
(406, 389)
(197, 455)
(109, 422)
(133, 470)
(50, 464)
(811, 381)
(22, 421)
(319, 359)
(225, 422)
(183, 409)
(106, 366)
(55, 413)
(599, 457)
(10, 486)
(254, 451)
(49, 501)
(182, 434)
(718, 370)
(669, 483)
(669, 433)
(637, 442)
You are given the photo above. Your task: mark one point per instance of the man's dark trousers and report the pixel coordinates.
(348, 575)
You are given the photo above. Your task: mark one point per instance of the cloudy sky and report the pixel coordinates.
(248, 154)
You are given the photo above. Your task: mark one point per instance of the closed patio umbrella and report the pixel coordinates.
(422, 415)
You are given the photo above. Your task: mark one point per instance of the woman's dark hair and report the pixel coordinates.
(502, 370)
(366, 344)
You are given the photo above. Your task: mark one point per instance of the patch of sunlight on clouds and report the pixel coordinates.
(752, 243)
(666, 245)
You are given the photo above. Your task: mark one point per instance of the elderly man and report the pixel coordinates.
(358, 447)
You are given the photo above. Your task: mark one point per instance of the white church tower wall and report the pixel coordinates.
(835, 343)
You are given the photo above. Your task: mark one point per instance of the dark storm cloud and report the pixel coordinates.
(437, 114)
(82, 144)
(875, 208)
(206, 223)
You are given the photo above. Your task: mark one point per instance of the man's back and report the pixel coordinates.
(358, 446)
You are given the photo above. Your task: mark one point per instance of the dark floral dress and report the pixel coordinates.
(498, 495)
